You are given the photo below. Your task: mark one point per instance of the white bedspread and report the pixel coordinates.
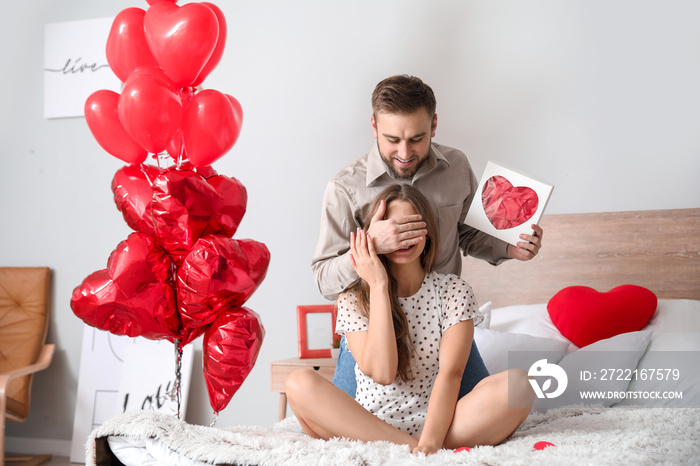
(581, 436)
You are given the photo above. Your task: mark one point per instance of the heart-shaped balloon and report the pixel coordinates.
(230, 349)
(207, 172)
(133, 194)
(102, 117)
(126, 44)
(220, 45)
(507, 206)
(211, 125)
(182, 39)
(233, 198)
(134, 295)
(185, 206)
(585, 315)
(150, 108)
(218, 273)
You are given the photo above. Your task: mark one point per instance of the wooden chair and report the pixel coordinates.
(24, 320)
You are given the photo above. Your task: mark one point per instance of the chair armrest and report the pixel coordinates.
(42, 362)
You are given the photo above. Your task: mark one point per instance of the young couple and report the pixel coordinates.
(410, 330)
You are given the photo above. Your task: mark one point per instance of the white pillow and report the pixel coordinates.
(486, 311)
(675, 315)
(669, 366)
(494, 347)
(600, 367)
(531, 319)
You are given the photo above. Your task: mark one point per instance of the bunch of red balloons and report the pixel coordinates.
(161, 55)
(181, 274)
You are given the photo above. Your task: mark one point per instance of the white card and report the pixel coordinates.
(507, 202)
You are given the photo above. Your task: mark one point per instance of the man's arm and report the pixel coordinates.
(331, 265)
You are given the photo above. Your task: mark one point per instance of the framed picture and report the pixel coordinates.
(75, 65)
(316, 327)
(507, 202)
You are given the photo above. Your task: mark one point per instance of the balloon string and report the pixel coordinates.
(145, 174)
(213, 421)
(151, 183)
(178, 376)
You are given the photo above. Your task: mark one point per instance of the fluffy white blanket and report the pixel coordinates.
(581, 436)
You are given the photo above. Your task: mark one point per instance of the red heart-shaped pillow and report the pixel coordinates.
(134, 295)
(584, 315)
(507, 206)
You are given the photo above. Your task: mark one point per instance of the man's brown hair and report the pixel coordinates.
(403, 94)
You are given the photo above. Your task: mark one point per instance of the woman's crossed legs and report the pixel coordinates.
(482, 417)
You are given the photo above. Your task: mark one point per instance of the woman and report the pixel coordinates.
(395, 319)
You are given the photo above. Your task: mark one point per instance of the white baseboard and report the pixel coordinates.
(37, 446)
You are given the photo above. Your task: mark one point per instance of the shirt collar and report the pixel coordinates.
(376, 168)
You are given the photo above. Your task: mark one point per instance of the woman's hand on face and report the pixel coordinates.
(365, 261)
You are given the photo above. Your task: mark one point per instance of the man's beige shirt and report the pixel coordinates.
(445, 179)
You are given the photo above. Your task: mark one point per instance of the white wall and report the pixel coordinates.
(599, 97)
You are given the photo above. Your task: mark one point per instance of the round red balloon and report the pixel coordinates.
(101, 115)
(230, 349)
(182, 39)
(149, 108)
(126, 44)
(210, 126)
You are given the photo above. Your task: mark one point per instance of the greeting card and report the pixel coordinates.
(507, 202)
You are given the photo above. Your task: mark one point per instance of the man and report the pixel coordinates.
(403, 123)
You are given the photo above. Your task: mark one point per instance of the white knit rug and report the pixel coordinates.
(599, 436)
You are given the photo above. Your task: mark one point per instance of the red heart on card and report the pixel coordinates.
(505, 205)
(584, 315)
(134, 295)
(230, 349)
(219, 273)
(182, 39)
(186, 206)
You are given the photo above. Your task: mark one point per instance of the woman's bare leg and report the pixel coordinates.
(325, 411)
(484, 417)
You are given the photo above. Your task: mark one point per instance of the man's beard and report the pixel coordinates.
(398, 173)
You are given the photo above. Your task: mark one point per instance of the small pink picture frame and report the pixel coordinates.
(302, 326)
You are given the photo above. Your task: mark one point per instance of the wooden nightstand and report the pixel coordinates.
(279, 370)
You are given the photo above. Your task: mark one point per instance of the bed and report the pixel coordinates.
(657, 250)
